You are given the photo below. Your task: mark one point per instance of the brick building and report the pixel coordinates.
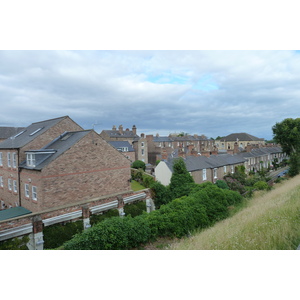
(76, 166)
(139, 143)
(12, 153)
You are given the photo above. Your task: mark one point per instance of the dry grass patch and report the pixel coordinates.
(271, 221)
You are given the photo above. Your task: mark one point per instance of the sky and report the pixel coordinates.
(210, 92)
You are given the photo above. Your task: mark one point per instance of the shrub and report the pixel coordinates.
(15, 243)
(55, 235)
(222, 184)
(112, 234)
(138, 164)
(105, 215)
(135, 209)
(160, 194)
(147, 180)
(261, 185)
(232, 197)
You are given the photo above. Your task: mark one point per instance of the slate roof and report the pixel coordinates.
(28, 134)
(241, 137)
(58, 146)
(6, 132)
(194, 163)
(13, 212)
(121, 144)
(117, 134)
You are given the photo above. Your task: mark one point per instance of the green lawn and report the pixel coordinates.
(135, 186)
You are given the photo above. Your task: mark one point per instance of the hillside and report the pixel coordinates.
(271, 221)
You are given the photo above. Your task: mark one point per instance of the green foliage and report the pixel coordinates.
(261, 185)
(55, 235)
(138, 164)
(160, 194)
(157, 162)
(222, 184)
(294, 163)
(147, 180)
(112, 234)
(15, 244)
(180, 180)
(135, 209)
(94, 219)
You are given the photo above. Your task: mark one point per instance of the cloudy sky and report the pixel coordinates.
(204, 92)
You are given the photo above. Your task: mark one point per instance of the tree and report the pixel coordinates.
(181, 179)
(287, 134)
(138, 164)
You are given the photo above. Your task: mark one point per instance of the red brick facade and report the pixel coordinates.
(89, 169)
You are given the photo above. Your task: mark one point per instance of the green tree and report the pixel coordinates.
(287, 134)
(138, 164)
(181, 179)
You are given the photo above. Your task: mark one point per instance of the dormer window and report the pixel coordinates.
(30, 160)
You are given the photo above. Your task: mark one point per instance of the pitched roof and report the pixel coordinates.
(124, 134)
(6, 132)
(233, 137)
(29, 133)
(55, 148)
(121, 144)
(194, 163)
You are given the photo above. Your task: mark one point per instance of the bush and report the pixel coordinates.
(138, 164)
(222, 184)
(135, 209)
(105, 215)
(56, 235)
(112, 234)
(261, 185)
(147, 180)
(15, 243)
(160, 194)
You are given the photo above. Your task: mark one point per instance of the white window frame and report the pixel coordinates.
(232, 169)
(224, 169)
(1, 182)
(14, 160)
(215, 173)
(143, 152)
(26, 190)
(15, 187)
(142, 144)
(9, 184)
(9, 159)
(30, 159)
(1, 159)
(204, 177)
(34, 193)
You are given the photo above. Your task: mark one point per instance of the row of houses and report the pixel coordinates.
(214, 167)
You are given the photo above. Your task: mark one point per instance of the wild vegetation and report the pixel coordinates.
(271, 221)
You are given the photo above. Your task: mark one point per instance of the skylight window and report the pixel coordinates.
(36, 131)
(13, 137)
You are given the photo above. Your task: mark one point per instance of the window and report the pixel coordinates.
(224, 169)
(30, 160)
(204, 174)
(8, 159)
(14, 160)
(215, 173)
(143, 151)
(34, 193)
(15, 186)
(1, 161)
(26, 190)
(1, 181)
(9, 184)
(142, 144)
(232, 170)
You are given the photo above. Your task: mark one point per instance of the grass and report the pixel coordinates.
(135, 186)
(269, 221)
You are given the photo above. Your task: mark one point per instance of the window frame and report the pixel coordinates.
(34, 193)
(9, 184)
(9, 159)
(26, 187)
(30, 159)
(1, 159)
(1, 181)
(14, 156)
(204, 175)
(15, 186)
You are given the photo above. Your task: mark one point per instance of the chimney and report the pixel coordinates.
(236, 148)
(142, 135)
(230, 151)
(121, 129)
(149, 137)
(157, 135)
(248, 148)
(127, 129)
(134, 129)
(114, 127)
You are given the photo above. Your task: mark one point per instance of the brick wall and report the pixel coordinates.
(89, 169)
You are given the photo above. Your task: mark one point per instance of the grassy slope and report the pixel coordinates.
(270, 221)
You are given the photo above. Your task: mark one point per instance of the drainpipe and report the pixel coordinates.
(19, 177)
